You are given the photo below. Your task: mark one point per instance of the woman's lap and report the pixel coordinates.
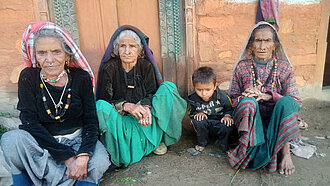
(266, 141)
(127, 141)
(23, 154)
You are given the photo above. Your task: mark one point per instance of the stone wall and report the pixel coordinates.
(222, 27)
(15, 17)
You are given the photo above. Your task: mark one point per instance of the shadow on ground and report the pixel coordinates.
(175, 168)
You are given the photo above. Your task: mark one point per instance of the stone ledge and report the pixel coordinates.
(10, 123)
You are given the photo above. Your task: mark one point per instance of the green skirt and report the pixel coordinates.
(127, 141)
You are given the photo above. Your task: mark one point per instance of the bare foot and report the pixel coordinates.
(286, 165)
(199, 148)
(302, 124)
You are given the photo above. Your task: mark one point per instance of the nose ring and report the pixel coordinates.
(51, 64)
(262, 50)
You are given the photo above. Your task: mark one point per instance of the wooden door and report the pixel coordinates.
(98, 19)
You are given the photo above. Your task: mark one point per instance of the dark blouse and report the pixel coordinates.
(136, 86)
(216, 108)
(80, 114)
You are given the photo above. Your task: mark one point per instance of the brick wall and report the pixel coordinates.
(15, 16)
(222, 28)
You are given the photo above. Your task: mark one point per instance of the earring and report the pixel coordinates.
(38, 65)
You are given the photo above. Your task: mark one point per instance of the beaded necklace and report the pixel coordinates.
(58, 115)
(255, 75)
(52, 80)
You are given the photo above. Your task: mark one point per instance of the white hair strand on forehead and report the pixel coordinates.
(123, 34)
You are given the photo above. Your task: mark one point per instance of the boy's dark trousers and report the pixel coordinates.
(215, 128)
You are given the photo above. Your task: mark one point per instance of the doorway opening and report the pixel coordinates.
(326, 76)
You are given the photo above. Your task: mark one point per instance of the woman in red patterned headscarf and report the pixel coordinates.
(57, 140)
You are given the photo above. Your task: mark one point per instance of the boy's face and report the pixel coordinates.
(205, 90)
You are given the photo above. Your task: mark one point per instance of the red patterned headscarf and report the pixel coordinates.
(28, 51)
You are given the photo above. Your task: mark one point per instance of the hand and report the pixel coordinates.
(136, 110)
(256, 93)
(251, 92)
(147, 119)
(77, 167)
(227, 120)
(264, 96)
(200, 116)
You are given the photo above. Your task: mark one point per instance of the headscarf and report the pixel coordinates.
(147, 51)
(28, 49)
(279, 52)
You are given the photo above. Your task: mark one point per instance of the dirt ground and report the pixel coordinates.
(177, 168)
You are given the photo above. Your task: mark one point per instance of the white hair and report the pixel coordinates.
(123, 34)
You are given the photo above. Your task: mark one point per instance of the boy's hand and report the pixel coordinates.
(200, 116)
(227, 120)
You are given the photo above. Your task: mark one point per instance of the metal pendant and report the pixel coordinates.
(58, 106)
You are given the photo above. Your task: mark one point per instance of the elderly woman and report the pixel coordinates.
(57, 140)
(135, 114)
(264, 91)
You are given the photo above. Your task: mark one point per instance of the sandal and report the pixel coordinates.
(161, 149)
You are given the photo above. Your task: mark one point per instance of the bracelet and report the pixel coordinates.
(82, 154)
(239, 97)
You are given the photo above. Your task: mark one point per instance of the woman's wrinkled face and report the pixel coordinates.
(205, 90)
(263, 44)
(50, 55)
(128, 49)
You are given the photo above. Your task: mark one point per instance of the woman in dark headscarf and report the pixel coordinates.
(264, 91)
(136, 114)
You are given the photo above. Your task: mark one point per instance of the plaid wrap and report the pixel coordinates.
(258, 147)
(28, 50)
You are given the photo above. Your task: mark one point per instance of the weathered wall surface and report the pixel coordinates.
(15, 17)
(97, 20)
(222, 28)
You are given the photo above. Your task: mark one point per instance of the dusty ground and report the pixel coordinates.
(175, 168)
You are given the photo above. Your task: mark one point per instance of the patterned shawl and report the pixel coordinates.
(147, 51)
(279, 52)
(28, 50)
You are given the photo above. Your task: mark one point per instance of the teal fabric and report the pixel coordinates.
(266, 138)
(127, 141)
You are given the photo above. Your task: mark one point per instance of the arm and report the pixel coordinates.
(90, 126)
(150, 84)
(289, 87)
(236, 88)
(228, 109)
(77, 166)
(106, 87)
(28, 106)
(191, 107)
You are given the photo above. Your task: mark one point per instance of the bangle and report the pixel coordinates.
(82, 154)
(239, 97)
(122, 106)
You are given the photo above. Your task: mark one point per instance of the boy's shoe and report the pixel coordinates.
(161, 149)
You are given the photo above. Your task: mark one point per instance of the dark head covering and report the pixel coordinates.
(147, 51)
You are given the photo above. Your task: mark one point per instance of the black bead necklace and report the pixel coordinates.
(58, 115)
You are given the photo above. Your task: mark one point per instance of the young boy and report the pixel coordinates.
(210, 110)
